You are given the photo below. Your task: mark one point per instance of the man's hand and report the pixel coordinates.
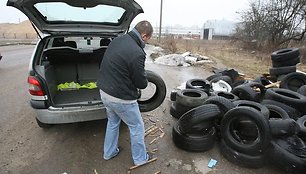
(139, 93)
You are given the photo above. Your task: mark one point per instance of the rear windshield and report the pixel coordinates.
(59, 11)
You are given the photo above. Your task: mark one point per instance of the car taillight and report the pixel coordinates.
(34, 86)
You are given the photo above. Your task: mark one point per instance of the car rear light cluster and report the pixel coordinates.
(34, 87)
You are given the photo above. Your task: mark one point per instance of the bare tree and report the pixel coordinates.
(272, 23)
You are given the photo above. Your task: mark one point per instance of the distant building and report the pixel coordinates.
(212, 29)
(217, 29)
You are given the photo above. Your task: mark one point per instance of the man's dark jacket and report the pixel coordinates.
(122, 68)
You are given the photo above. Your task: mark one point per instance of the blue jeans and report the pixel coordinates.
(129, 113)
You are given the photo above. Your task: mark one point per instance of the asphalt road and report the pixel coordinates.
(77, 148)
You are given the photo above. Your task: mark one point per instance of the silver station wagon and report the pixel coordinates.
(74, 35)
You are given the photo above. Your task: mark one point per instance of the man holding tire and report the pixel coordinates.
(120, 76)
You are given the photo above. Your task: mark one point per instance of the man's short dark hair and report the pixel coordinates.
(144, 27)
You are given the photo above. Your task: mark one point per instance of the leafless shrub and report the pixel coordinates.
(170, 44)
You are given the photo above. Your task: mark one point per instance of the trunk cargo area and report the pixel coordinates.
(64, 64)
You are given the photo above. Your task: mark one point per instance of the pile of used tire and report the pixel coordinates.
(255, 123)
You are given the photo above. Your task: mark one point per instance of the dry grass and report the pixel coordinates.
(228, 53)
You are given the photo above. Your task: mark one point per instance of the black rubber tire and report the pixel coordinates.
(209, 78)
(283, 127)
(302, 90)
(225, 78)
(241, 159)
(288, 97)
(173, 111)
(277, 112)
(248, 92)
(191, 97)
(197, 116)
(262, 80)
(302, 125)
(43, 125)
(239, 82)
(223, 103)
(194, 143)
(233, 74)
(285, 54)
(283, 159)
(258, 106)
(290, 62)
(173, 95)
(282, 70)
(292, 112)
(200, 84)
(293, 81)
(234, 141)
(228, 95)
(181, 109)
(159, 95)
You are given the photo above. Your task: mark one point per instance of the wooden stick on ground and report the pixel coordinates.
(151, 160)
(273, 84)
(151, 130)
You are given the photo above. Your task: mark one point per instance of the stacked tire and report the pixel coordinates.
(284, 61)
(253, 124)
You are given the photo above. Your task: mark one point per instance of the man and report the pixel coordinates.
(121, 74)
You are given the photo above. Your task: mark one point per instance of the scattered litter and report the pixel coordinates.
(212, 163)
(152, 120)
(158, 172)
(154, 140)
(95, 171)
(221, 85)
(186, 59)
(136, 166)
(151, 130)
(154, 150)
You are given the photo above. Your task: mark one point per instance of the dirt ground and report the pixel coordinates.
(77, 148)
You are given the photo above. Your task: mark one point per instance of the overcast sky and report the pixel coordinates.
(183, 12)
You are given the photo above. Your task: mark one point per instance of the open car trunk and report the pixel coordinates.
(75, 67)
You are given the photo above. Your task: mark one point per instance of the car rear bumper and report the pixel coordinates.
(71, 115)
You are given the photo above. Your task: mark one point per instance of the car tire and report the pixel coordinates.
(283, 127)
(197, 116)
(209, 78)
(288, 97)
(290, 62)
(225, 78)
(191, 97)
(302, 90)
(200, 84)
(262, 80)
(260, 107)
(293, 81)
(279, 156)
(228, 95)
(251, 147)
(276, 112)
(159, 95)
(302, 124)
(285, 54)
(292, 112)
(193, 142)
(247, 91)
(223, 103)
(241, 159)
(173, 95)
(282, 70)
